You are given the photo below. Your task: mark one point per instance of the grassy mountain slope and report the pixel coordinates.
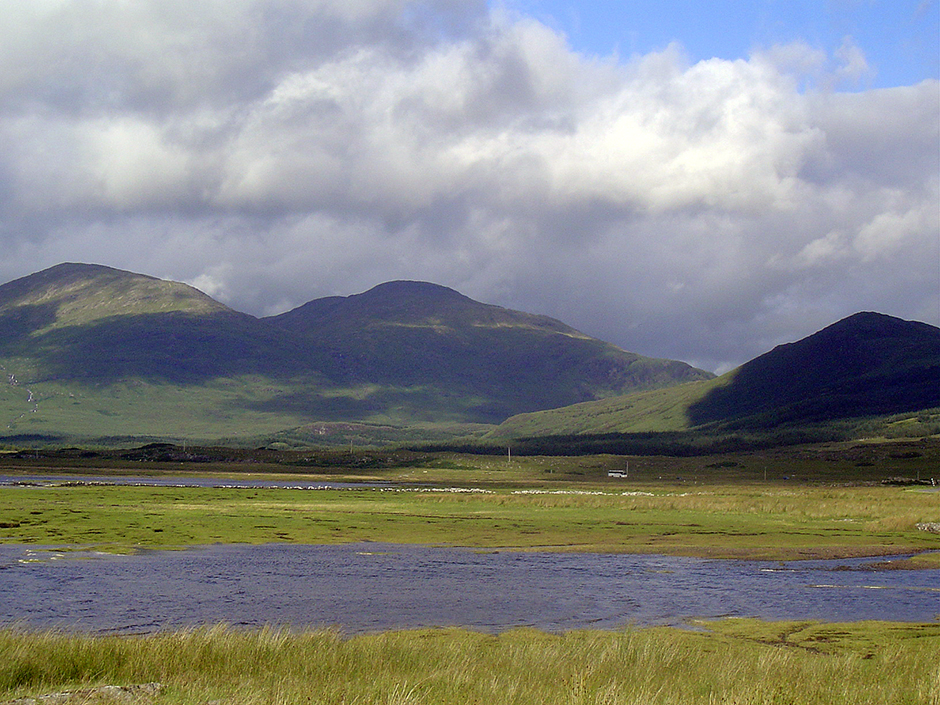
(653, 411)
(92, 352)
(95, 351)
(865, 365)
(101, 325)
(73, 294)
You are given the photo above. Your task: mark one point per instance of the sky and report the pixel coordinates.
(696, 181)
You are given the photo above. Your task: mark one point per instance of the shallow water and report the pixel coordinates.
(189, 481)
(369, 587)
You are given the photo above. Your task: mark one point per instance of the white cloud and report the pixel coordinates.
(272, 152)
(854, 65)
(892, 232)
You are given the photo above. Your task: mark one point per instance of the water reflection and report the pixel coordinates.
(366, 587)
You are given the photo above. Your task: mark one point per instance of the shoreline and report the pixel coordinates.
(899, 558)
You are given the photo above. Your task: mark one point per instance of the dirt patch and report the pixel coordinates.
(900, 564)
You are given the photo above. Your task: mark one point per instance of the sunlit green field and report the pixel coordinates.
(732, 661)
(754, 521)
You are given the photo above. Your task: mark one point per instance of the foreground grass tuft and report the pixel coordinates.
(739, 662)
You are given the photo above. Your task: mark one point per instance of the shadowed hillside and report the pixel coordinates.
(415, 334)
(866, 364)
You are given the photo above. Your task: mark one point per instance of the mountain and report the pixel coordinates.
(868, 364)
(74, 294)
(418, 336)
(95, 351)
(96, 324)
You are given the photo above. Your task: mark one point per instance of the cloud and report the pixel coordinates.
(854, 65)
(272, 152)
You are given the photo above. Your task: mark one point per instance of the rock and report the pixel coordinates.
(104, 693)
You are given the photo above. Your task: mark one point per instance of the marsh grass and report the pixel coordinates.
(733, 661)
(745, 520)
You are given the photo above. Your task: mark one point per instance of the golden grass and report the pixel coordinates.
(733, 661)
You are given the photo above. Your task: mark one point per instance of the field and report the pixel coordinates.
(822, 501)
(825, 502)
(724, 521)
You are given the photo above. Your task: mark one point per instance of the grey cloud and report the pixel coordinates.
(899, 147)
(164, 55)
(272, 152)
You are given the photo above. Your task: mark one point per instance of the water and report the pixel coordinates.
(370, 587)
(164, 481)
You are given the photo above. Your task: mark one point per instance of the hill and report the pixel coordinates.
(868, 364)
(91, 351)
(864, 365)
(74, 294)
(98, 325)
(421, 336)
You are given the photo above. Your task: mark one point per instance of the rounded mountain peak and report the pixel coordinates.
(75, 294)
(401, 291)
(413, 301)
(414, 304)
(408, 287)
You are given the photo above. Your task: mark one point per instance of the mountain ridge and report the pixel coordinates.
(868, 362)
(414, 303)
(402, 352)
(458, 341)
(92, 352)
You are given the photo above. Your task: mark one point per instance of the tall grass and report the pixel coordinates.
(739, 662)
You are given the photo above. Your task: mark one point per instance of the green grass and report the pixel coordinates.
(124, 409)
(736, 662)
(768, 521)
(818, 501)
